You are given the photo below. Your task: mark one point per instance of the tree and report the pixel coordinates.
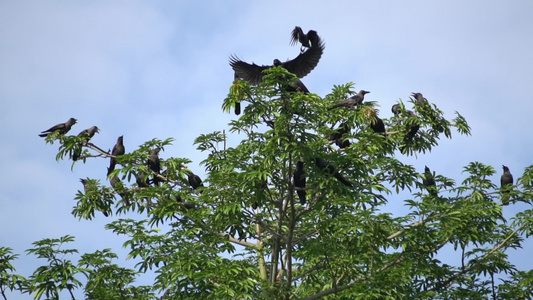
(244, 234)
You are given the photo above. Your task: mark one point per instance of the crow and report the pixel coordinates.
(118, 150)
(194, 180)
(300, 66)
(377, 125)
(395, 109)
(321, 164)
(88, 134)
(154, 164)
(420, 100)
(116, 183)
(298, 35)
(63, 128)
(337, 136)
(429, 181)
(299, 181)
(506, 180)
(413, 129)
(352, 101)
(237, 104)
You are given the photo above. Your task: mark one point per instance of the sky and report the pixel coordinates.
(159, 69)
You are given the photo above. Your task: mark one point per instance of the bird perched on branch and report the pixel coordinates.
(352, 101)
(337, 136)
(300, 66)
(298, 35)
(154, 164)
(377, 125)
(420, 100)
(88, 134)
(116, 183)
(506, 180)
(395, 109)
(118, 150)
(429, 181)
(413, 129)
(194, 180)
(63, 128)
(299, 181)
(322, 165)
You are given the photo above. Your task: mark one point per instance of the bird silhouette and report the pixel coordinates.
(395, 109)
(87, 134)
(154, 164)
(194, 180)
(299, 181)
(300, 66)
(413, 129)
(298, 35)
(337, 136)
(420, 100)
(352, 101)
(116, 183)
(506, 180)
(63, 128)
(118, 150)
(429, 181)
(330, 169)
(377, 125)
(237, 104)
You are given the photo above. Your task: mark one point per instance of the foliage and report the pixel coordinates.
(244, 234)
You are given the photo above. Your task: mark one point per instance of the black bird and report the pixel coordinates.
(237, 104)
(321, 164)
(377, 125)
(395, 109)
(420, 100)
(298, 35)
(352, 101)
(413, 129)
(297, 86)
(299, 181)
(185, 204)
(337, 136)
(194, 180)
(116, 183)
(300, 66)
(118, 150)
(506, 179)
(63, 128)
(142, 180)
(154, 164)
(429, 181)
(88, 134)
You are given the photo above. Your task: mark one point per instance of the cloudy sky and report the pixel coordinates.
(158, 69)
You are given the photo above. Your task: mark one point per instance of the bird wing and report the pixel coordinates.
(295, 34)
(249, 72)
(55, 127)
(305, 62)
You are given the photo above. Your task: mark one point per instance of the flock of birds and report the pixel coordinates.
(312, 48)
(153, 162)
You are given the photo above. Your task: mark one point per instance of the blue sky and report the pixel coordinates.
(158, 69)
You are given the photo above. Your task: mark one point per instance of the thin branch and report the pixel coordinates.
(466, 270)
(416, 224)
